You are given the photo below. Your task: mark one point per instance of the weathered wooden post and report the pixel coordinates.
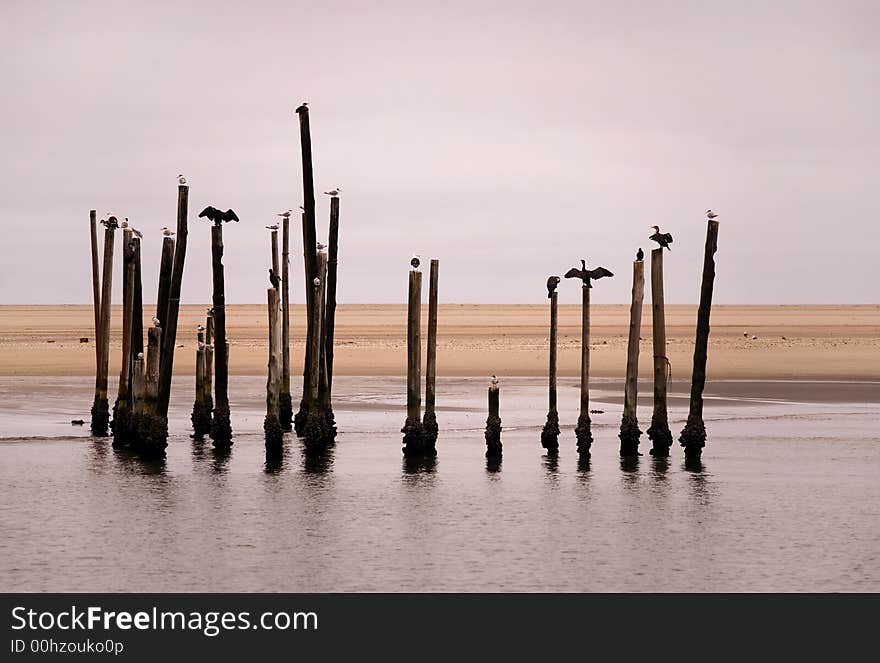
(152, 433)
(429, 421)
(314, 430)
(583, 431)
(221, 426)
(137, 312)
(169, 326)
(101, 407)
(286, 403)
(550, 432)
(137, 390)
(96, 282)
(413, 431)
(272, 423)
(493, 422)
(332, 267)
(693, 436)
(121, 423)
(302, 415)
(201, 415)
(165, 268)
(659, 430)
(209, 366)
(629, 425)
(274, 251)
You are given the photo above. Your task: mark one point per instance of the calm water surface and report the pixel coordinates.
(787, 499)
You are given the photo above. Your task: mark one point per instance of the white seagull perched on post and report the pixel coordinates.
(156, 322)
(124, 224)
(333, 193)
(181, 179)
(284, 215)
(711, 215)
(167, 232)
(319, 246)
(415, 261)
(494, 381)
(274, 226)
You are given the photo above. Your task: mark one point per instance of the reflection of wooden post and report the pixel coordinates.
(493, 424)
(221, 427)
(101, 408)
(96, 283)
(583, 432)
(314, 429)
(629, 426)
(693, 437)
(286, 404)
(430, 419)
(659, 430)
(550, 432)
(201, 415)
(272, 424)
(121, 424)
(413, 432)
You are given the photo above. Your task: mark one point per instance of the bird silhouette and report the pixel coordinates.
(217, 216)
(711, 215)
(110, 222)
(274, 279)
(586, 275)
(552, 282)
(274, 226)
(167, 232)
(181, 180)
(640, 255)
(415, 261)
(285, 215)
(303, 107)
(333, 193)
(663, 239)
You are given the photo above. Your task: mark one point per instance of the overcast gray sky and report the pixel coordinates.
(507, 139)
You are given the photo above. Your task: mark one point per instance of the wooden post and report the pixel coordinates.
(209, 366)
(96, 283)
(137, 388)
(221, 427)
(201, 415)
(413, 431)
(659, 430)
(429, 421)
(169, 326)
(274, 250)
(286, 406)
(314, 430)
(693, 436)
(272, 424)
(165, 268)
(550, 432)
(121, 423)
(299, 421)
(332, 267)
(629, 426)
(101, 407)
(583, 432)
(152, 432)
(493, 423)
(137, 311)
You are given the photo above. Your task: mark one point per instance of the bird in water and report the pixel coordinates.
(156, 322)
(711, 215)
(552, 282)
(274, 226)
(415, 261)
(640, 255)
(181, 179)
(274, 279)
(663, 239)
(303, 107)
(586, 275)
(167, 232)
(333, 193)
(218, 216)
(284, 215)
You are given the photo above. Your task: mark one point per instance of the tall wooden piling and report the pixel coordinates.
(96, 282)
(137, 311)
(201, 415)
(166, 266)
(583, 431)
(332, 269)
(274, 250)
(169, 326)
(629, 426)
(152, 428)
(137, 388)
(693, 436)
(286, 406)
(209, 366)
(221, 426)
(315, 434)
(272, 423)
(101, 407)
(493, 423)
(659, 430)
(121, 423)
(550, 432)
(429, 421)
(299, 421)
(413, 431)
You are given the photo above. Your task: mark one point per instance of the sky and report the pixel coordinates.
(507, 139)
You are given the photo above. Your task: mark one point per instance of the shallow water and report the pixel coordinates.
(788, 497)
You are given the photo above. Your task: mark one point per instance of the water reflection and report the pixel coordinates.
(629, 466)
(659, 467)
(221, 456)
(413, 465)
(493, 464)
(274, 463)
(699, 482)
(317, 462)
(583, 465)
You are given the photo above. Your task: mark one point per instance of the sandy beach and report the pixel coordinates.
(809, 342)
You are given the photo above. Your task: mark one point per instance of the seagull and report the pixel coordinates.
(333, 193)
(640, 255)
(274, 226)
(303, 107)
(494, 381)
(156, 322)
(200, 328)
(181, 180)
(663, 239)
(415, 261)
(167, 232)
(285, 215)
(274, 279)
(137, 233)
(218, 216)
(584, 274)
(316, 281)
(124, 224)
(711, 215)
(140, 355)
(552, 282)
(319, 246)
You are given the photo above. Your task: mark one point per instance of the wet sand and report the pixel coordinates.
(793, 342)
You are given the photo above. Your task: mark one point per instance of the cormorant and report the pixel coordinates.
(303, 107)
(586, 275)
(217, 216)
(415, 261)
(640, 255)
(663, 239)
(552, 282)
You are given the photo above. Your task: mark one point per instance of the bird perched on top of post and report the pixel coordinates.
(217, 216)
(494, 381)
(274, 226)
(181, 180)
(110, 222)
(663, 239)
(124, 224)
(584, 274)
(303, 107)
(274, 279)
(156, 322)
(415, 261)
(711, 215)
(333, 193)
(284, 215)
(319, 246)
(137, 233)
(167, 232)
(552, 282)
(640, 255)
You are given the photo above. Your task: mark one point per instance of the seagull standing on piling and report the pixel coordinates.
(181, 180)
(167, 232)
(284, 215)
(711, 215)
(415, 261)
(274, 226)
(124, 224)
(156, 322)
(333, 193)
(494, 381)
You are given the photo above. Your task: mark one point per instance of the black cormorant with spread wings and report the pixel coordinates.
(552, 282)
(217, 216)
(587, 275)
(663, 239)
